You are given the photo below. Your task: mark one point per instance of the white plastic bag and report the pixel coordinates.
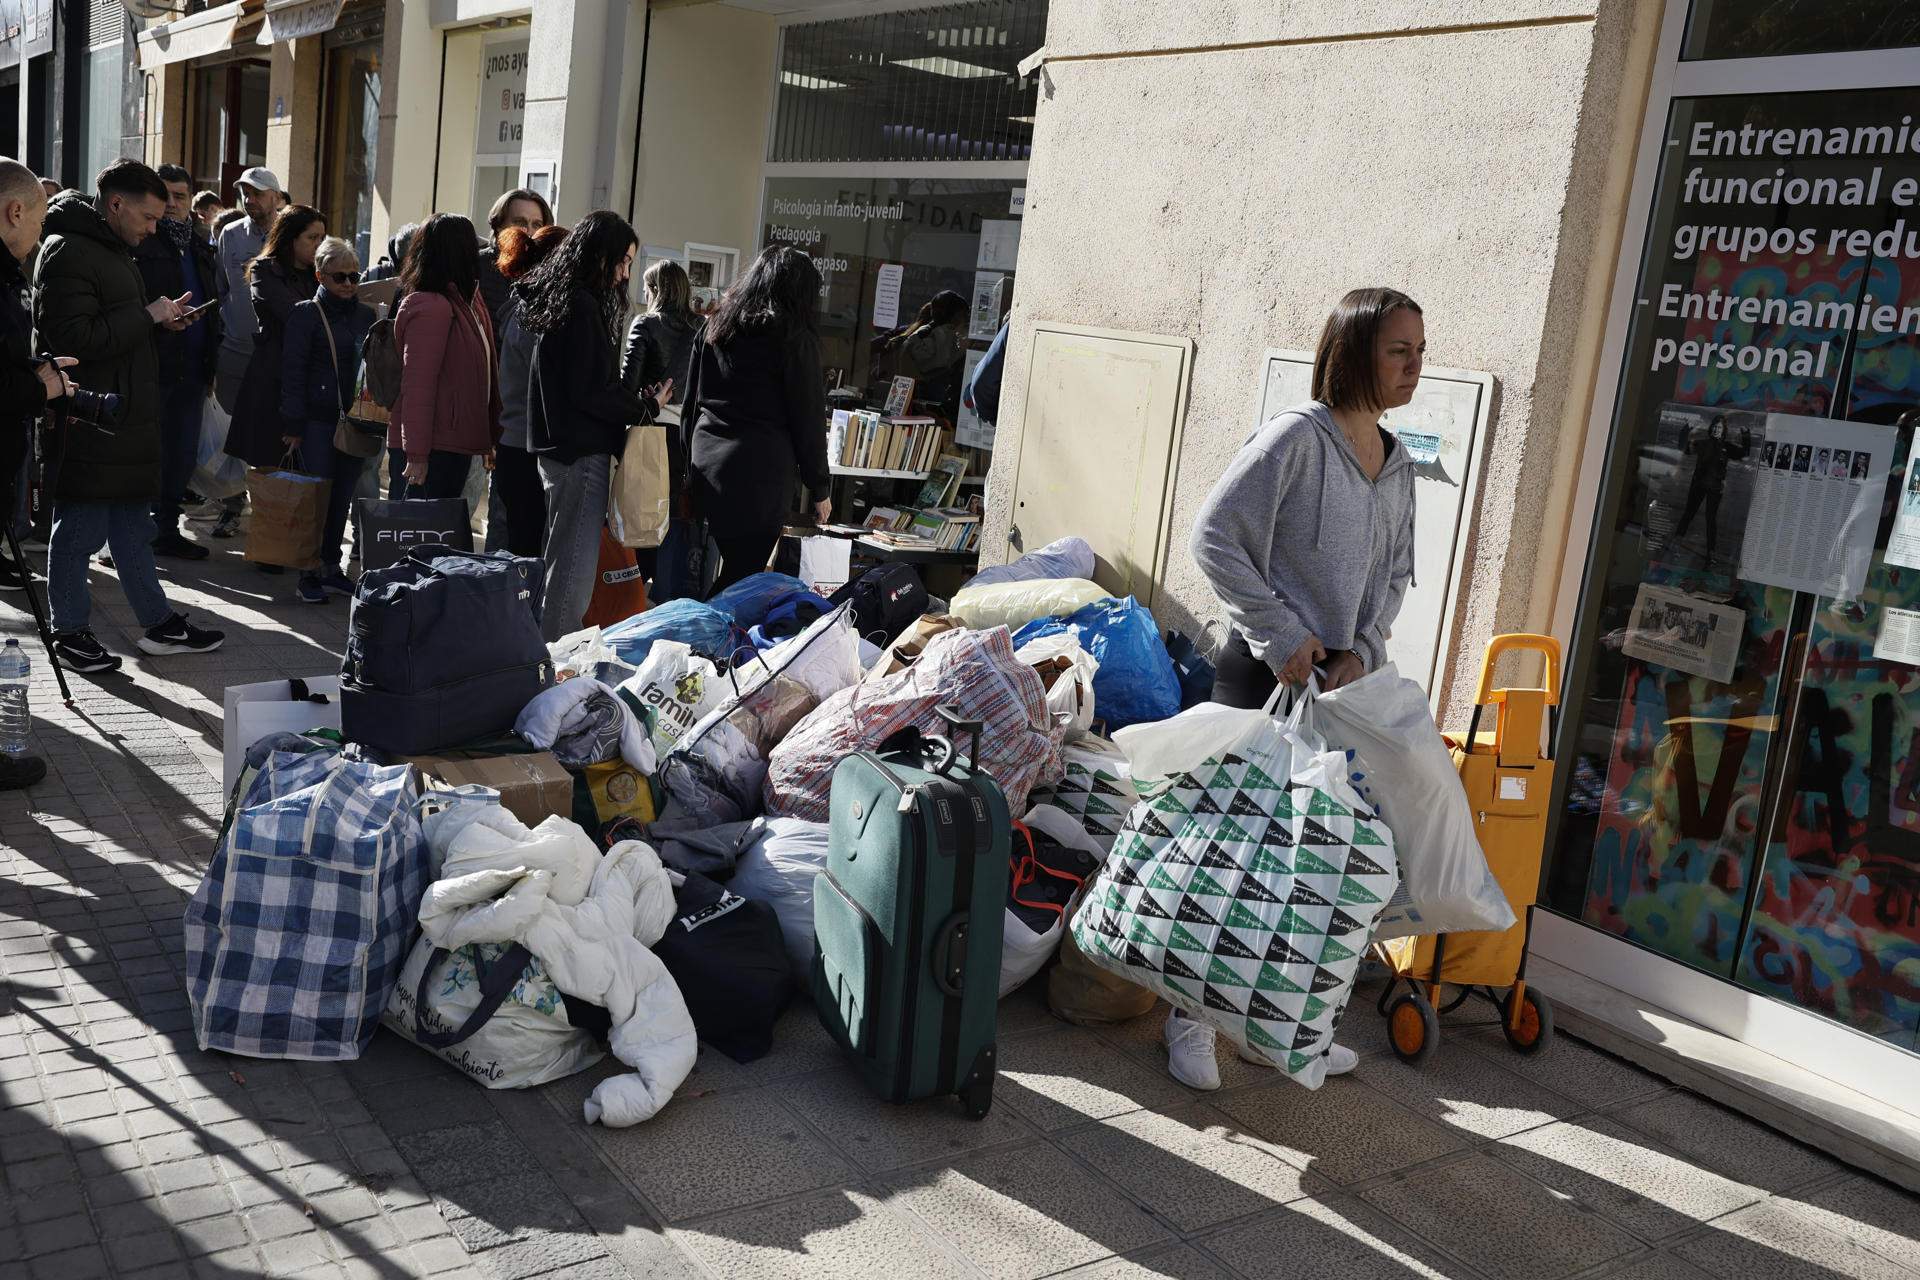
(1014, 604)
(216, 474)
(1070, 694)
(580, 653)
(676, 688)
(1403, 768)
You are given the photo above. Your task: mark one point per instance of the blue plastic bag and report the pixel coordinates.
(749, 600)
(700, 627)
(1195, 673)
(1136, 681)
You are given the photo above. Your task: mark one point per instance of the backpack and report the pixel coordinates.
(884, 601)
(380, 364)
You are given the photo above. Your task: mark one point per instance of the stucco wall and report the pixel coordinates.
(704, 136)
(1235, 193)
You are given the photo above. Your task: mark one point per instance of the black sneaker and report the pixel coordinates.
(179, 548)
(17, 772)
(177, 635)
(12, 577)
(310, 590)
(79, 651)
(227, 526)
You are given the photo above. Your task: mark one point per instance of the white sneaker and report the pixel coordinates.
(1190, 1057)
(1340, 1060)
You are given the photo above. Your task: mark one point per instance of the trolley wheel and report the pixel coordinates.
(1530, 1031)
(1413, 1029)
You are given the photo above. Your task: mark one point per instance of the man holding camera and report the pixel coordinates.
(90, 302)
(26, 383)
(176, 262)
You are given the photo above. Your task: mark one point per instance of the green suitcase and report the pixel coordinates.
(908, 917)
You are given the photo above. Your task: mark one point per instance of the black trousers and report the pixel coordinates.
(742, 556)
(516, 475)
(446, 475)
(1239, 678)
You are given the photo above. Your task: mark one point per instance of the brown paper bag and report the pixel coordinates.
(1083, 993)
(289, 512)
(641, 498)
(908, 644)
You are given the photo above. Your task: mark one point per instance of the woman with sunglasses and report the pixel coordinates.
(320, 367)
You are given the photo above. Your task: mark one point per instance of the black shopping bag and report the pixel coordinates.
(385, 529)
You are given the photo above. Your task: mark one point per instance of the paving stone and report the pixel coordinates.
(148, 1249)
(1344, 1130)
(212, 1235)
(1510, 1226)
(542, 1252)
(75, 1264)
(432, 1257)
(295, 1254)
(879, 1138)
(450, 1157)
(1334, 1237)
(1174, 1262)
(845, 1232)
(1884, 1218)
(1060, 1078)
(57, 1234)
(1771, 1241)
(1720, 1139)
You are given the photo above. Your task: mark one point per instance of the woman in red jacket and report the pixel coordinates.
(448, 410)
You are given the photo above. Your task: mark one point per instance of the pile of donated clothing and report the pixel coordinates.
(624, 862)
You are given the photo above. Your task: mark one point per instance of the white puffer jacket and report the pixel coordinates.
(590, 920)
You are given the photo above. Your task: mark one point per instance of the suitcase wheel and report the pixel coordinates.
(1529, 1027)
(977, 1098)
(1413, 1028)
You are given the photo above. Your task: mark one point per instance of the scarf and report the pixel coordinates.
(178, 233)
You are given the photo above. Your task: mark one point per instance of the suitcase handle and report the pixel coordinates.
(949, 956)
(957, 725)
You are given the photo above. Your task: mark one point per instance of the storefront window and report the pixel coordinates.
(885, 247)
(229, 123)
(923, 84)
(1742, 790)
(1743, 29)
(353, 136)
(100, 111)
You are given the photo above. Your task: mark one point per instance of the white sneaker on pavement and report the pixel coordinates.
(1340, 1060)
(1190, 1056)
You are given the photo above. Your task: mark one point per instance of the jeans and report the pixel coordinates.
(576, 512)
(742, 556)
(78, 530)
(516, 505)
(346, 478)
(180, 408)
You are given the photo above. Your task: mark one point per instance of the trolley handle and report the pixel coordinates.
(1519, 642)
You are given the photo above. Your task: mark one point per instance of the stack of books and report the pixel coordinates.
(862, 440)
(947, 528)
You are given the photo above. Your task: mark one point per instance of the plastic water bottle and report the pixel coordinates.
(16, 722)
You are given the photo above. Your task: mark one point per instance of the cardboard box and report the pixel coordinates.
(249, 712)
(533, 787)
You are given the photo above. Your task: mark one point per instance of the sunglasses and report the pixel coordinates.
(344, 277)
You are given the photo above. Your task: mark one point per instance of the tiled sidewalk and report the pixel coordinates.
(128, 1152)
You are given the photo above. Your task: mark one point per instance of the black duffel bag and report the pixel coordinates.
(884, 601)
(727, 955)
(443, 646)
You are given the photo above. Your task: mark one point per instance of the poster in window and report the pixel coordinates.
(1684, 633)
(1813, 520)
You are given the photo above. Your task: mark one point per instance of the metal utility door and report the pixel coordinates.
(1104, 412)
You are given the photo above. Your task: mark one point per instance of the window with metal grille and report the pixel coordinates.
(926, 84)
(106, 23)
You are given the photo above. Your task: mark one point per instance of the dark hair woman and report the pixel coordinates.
(578, 407)
(1308, 541)
(660, 341)
(279, 280)
(754, 419)
(933, 350)
(448, 410)
(516, 505)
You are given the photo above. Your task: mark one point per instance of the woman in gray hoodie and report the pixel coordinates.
(1308, 541)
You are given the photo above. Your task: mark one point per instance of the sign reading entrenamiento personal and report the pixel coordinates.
(1753, 194)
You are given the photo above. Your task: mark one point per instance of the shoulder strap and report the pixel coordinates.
(332, 350)
(497, 982)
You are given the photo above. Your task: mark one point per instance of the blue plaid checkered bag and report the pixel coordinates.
(303, 922)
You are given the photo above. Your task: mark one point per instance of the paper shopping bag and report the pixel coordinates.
(289, 509)
(642, 494)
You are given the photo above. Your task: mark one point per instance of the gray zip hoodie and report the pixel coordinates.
(1296, 541)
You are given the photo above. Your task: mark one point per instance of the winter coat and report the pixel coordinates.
(257, 425)
(160, 266)
(590, 920)
(317, 380)
(516, 372)
(89, 302)
(755, 422)
(659, 346)
(22, 397)
(577, 404)
(449, 383)
(239, 243)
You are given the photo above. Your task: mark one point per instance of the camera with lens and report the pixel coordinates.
(97, 408)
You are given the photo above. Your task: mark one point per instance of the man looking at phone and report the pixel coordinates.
(90, 302)
(177, 263)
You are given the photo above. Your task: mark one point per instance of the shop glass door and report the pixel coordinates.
(352, 144)
(1742, 787)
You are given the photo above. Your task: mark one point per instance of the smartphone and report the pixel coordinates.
(194, 313)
